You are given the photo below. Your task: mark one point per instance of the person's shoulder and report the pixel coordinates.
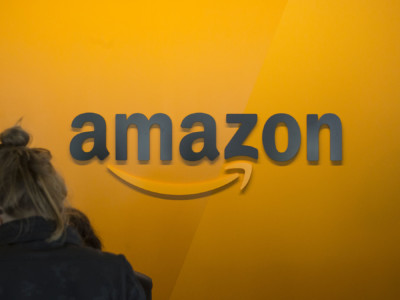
(118, 266)
(118, 261)
(88, 253)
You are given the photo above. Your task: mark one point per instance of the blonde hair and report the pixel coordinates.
(29, 184)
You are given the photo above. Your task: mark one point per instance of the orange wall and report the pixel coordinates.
(298, 231)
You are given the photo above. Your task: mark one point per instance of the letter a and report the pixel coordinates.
(209, 137)
(98, 135)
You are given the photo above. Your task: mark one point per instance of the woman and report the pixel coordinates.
(40, 257)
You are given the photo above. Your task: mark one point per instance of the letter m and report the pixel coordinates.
(143, 126)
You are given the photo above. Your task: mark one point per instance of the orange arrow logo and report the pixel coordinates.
(187, 189)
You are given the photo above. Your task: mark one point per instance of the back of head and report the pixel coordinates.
(29, 184)
(81, 223)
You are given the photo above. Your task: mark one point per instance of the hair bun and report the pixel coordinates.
(14, 136)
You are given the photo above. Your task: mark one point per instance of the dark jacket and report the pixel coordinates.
(146, 282)
(32, 268)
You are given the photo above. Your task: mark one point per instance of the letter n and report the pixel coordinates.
(313, 128)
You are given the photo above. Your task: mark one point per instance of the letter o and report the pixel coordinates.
(294, 137)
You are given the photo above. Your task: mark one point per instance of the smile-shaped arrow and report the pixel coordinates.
(190, 188)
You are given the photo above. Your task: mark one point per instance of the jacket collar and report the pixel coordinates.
(33, 232)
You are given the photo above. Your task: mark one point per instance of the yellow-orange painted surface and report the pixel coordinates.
(298, 230)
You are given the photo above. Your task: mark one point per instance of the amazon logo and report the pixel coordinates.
(235, 148)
